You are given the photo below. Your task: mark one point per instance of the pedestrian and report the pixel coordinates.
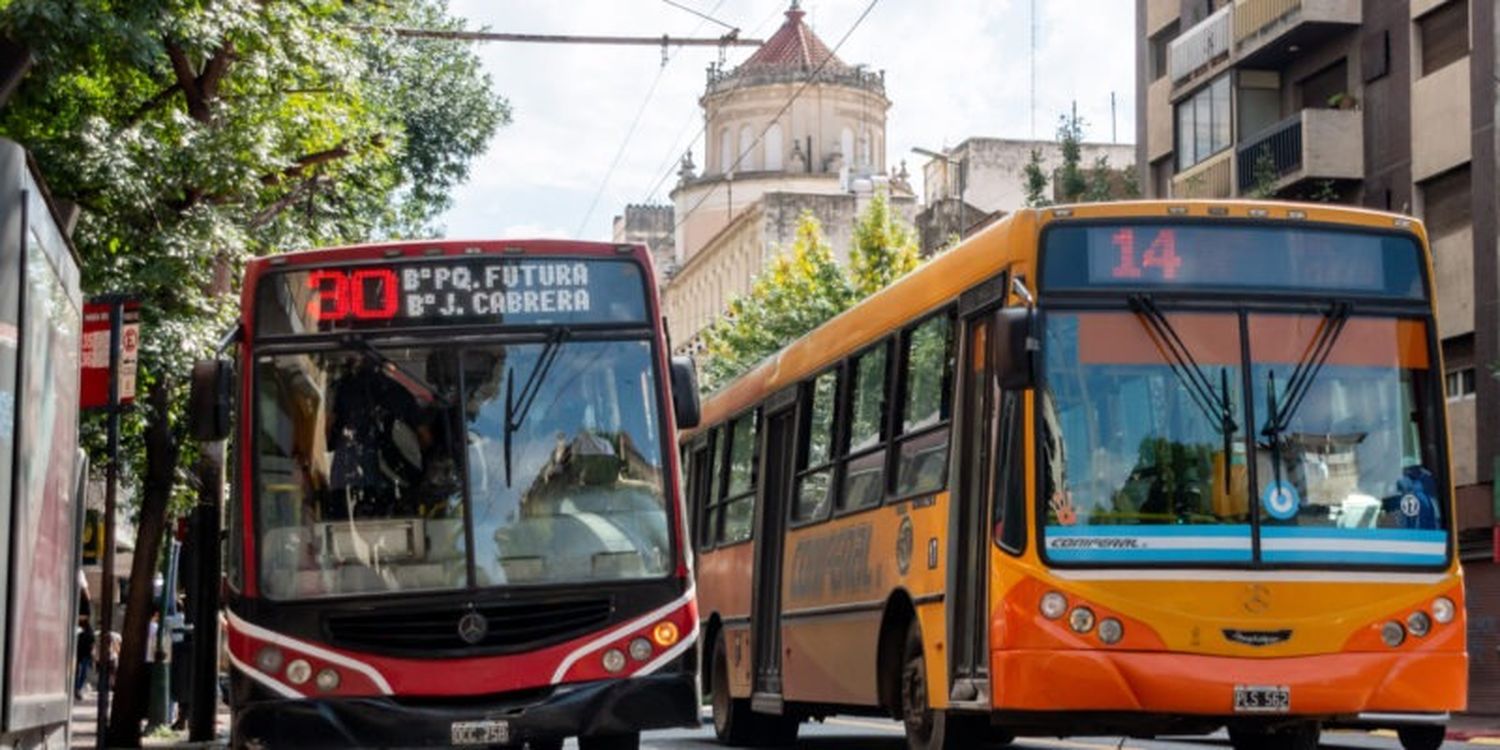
(85, 655)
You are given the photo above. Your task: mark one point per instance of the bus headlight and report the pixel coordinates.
(1054, 605)
(1393, 634)
(298, 672)
(1418, 623)
(327, 680)
(614, 660)
(1443, 610)
(640, 649)
(269, 660)
(1081, 619)
(1111, 631)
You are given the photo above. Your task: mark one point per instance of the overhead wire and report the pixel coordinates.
(668, 166)
(776, 117)
(636, 121)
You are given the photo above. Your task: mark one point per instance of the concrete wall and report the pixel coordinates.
(650, 226)
(996, 180)
(1453, 261)
(1440, 121)
(1462, 430)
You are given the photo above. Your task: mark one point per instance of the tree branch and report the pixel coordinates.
(156, 101)
(303, 189)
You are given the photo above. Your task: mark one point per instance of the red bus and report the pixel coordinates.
(455, 516)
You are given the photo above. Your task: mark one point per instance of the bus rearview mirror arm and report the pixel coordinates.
(211, 399)
(1015, 343)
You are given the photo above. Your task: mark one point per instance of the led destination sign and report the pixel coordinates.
(452, 292)
(1231, 257)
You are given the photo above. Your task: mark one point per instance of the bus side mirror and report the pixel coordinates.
(685, 404)
(211, 399)
(1015, 347)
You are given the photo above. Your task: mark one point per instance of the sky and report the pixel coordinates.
(595, 128)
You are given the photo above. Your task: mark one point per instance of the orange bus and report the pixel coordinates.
(1134, 468)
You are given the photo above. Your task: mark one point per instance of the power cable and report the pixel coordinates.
(636, 121)
(774, 118)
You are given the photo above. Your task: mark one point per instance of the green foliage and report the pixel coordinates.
(1101, 180)
(1035, 181)
(884, 249)
(1325, 191)
(802, 287)
(195, 135)
(1132, 185)
(1072, 183)
(1263, 175)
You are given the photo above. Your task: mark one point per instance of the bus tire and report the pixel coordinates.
(1302, 736)
(733, 720)
(1428, 737)
(928, 728)
(630, 741)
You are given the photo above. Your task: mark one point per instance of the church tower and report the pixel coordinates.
(791, 129)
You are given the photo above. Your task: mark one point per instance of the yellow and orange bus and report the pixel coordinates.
(1133, 468)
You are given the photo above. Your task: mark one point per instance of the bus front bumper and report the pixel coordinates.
(1332, 686)
(600, 708)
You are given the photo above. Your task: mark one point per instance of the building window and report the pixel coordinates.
(773, 147)
(1158, 44)
(1324, 89)
(1460, 384)
(1446, 202)
(726, 151)
(1203, 124)
(1444, 35)
(747, 150)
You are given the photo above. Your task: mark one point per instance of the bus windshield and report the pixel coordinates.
(1332, 460)
(384, 468)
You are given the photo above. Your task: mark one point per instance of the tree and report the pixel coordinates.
(799, 290)
(884, 249)
(196, 133)
(1072, 184)
(1263, 174)
(1101, 180)
(1035, 181)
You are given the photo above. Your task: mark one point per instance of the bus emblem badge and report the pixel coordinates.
(472, 628)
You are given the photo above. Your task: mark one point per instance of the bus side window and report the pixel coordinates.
(926, 403)
(708, 488)
(1010, 475)
(815, 468)
(738, 505)
(864, 464)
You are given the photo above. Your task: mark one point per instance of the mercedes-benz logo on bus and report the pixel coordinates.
(472, 627)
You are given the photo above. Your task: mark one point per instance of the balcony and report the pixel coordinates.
(1201, 47)
(1314, 144)
(1267, 33)
(1210, 178)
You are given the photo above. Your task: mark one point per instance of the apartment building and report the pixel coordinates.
(1382, 103)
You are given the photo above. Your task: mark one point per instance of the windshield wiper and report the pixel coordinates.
(1214, 404)
(1298, 385)
(1280, 411)
(408, 379)
(516, 409)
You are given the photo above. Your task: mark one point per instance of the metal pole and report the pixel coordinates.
(111, 483)
(205, 692)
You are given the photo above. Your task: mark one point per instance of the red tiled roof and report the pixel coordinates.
(793, 47)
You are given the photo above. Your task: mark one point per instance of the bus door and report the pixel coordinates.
(770, 540)
(973, 462)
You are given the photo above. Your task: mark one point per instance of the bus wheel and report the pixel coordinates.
(631, 741)
(1428, 737)
(1302, 736)
(928, 728)
(733, 720)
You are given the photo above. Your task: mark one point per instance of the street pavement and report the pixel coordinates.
(845, 734)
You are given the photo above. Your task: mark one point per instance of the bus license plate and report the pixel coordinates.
(486, 732)
(1262, 699)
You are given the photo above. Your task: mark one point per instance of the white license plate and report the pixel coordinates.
(1264, 699)
(487, 732)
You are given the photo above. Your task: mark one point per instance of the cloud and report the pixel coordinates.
(954, 69)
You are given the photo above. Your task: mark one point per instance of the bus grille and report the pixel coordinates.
(511, 626)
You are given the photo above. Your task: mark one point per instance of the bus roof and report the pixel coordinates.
(982, 256)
